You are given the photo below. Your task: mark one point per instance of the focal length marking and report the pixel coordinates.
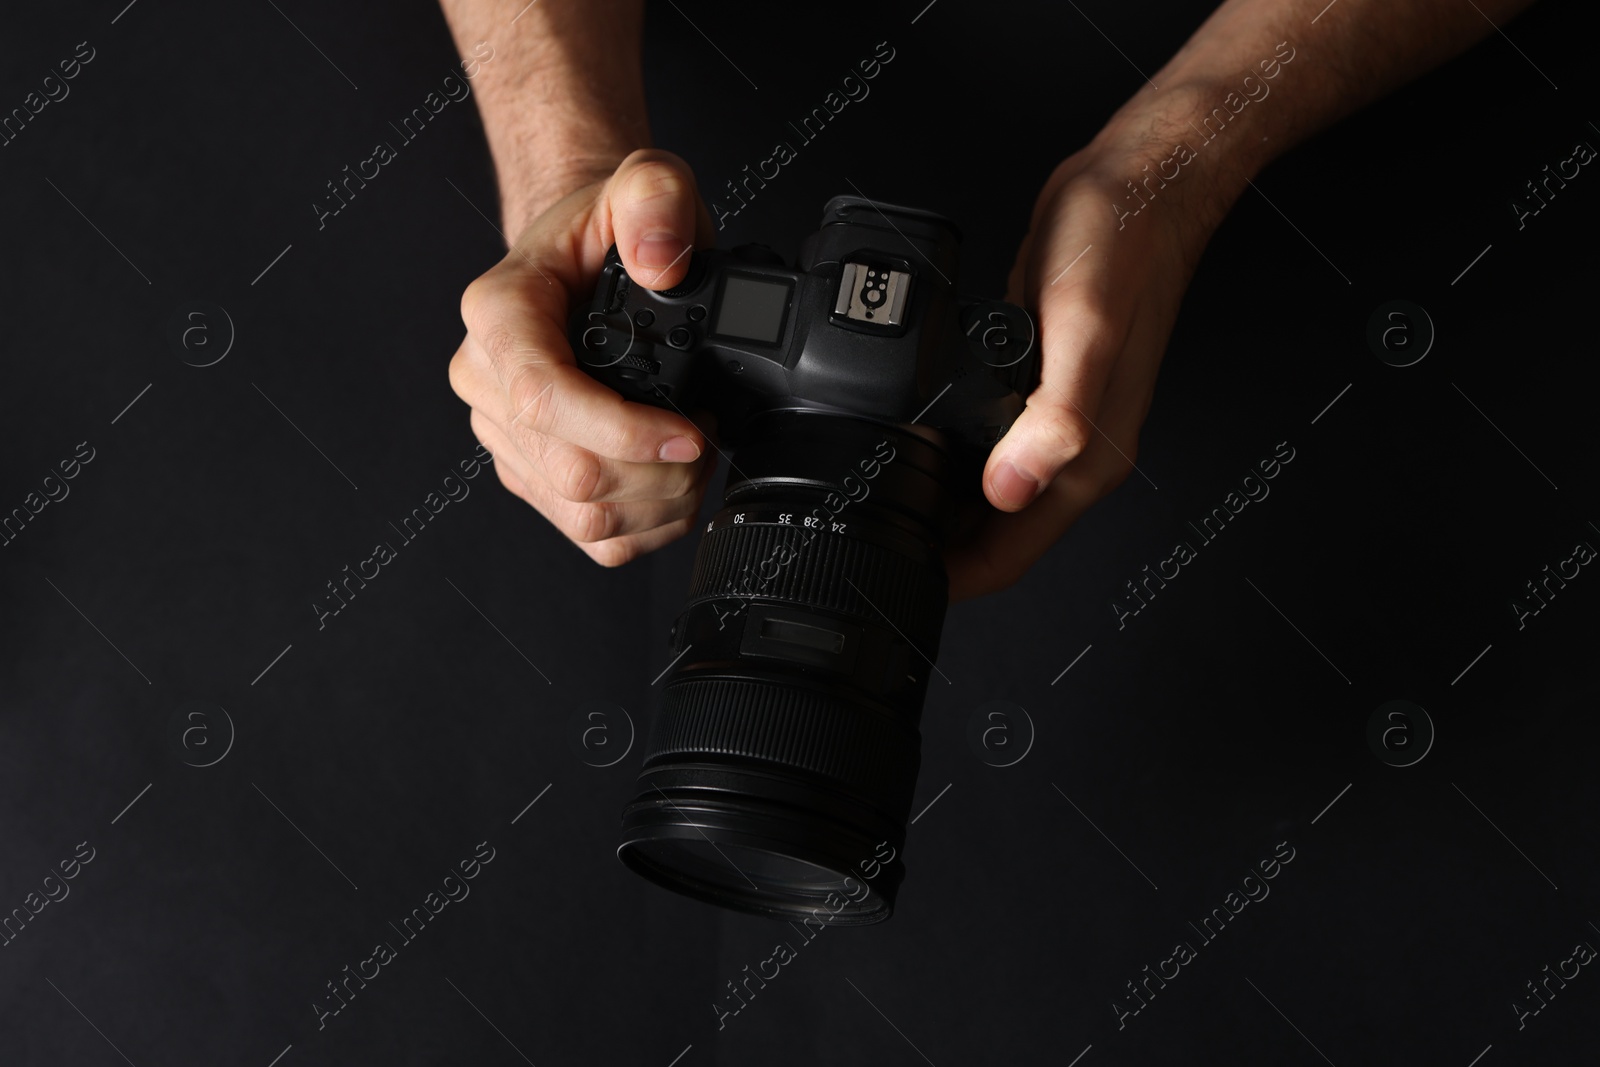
(769, 516)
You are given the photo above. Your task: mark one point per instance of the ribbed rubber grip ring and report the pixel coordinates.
(795, 728)
(823, 570)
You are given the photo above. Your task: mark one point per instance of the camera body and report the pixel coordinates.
(858, 394)
(868, 324)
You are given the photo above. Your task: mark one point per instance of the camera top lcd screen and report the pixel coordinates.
(752, 309)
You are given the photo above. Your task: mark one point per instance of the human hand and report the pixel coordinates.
(1105, 288)
(618, 478)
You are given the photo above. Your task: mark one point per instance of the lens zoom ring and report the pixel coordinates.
(827, 571)
(790, 726)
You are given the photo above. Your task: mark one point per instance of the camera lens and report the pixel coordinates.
(779, 773)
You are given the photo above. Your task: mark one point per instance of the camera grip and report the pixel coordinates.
(626, 338)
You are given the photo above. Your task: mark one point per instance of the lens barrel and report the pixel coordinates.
(779, 772)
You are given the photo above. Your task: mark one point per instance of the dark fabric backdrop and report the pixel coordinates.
(160, 616)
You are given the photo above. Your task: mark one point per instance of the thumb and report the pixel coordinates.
(1080, 345)
(655, 215)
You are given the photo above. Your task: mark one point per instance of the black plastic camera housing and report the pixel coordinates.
(858, 395)
(867, 324)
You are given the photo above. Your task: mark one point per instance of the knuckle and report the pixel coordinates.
(575, 474)
(1083, 323)
(651, 173)
(531, 447)
(528, 442)
(592, 523)
(638, 157)
(480, 295)
(612, 553)
(627, 440)
(460, 376)
(530, 397)
(498, 341)
(471, 297)
(655, 180)
(619, 436)
(1064, 432)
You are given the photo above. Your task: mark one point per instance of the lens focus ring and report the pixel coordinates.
(791, 727)
(827, 571)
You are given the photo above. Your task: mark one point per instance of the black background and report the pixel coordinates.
(412, 727)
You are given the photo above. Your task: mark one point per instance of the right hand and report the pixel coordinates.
(618, 478)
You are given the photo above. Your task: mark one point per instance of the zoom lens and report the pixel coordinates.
(780, 769)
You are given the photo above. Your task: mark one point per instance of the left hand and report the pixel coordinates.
(1105, 290)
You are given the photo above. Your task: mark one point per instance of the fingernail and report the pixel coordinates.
(1012, 486)
(658, 250)
(679, 450)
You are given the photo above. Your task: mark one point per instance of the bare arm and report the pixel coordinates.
(1139, 203)
(562, 101)
(563, 98)
(1115, 236)
(1356, 51)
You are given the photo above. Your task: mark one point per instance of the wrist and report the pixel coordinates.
(1170, 150)
(534, 179)
(554, 135)
(550, 139)
(1216, 101)
(553, 122)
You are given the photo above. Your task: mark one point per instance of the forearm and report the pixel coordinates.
(1355, 52)
(562, 99)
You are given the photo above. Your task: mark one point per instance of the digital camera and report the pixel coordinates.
(856, 397)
